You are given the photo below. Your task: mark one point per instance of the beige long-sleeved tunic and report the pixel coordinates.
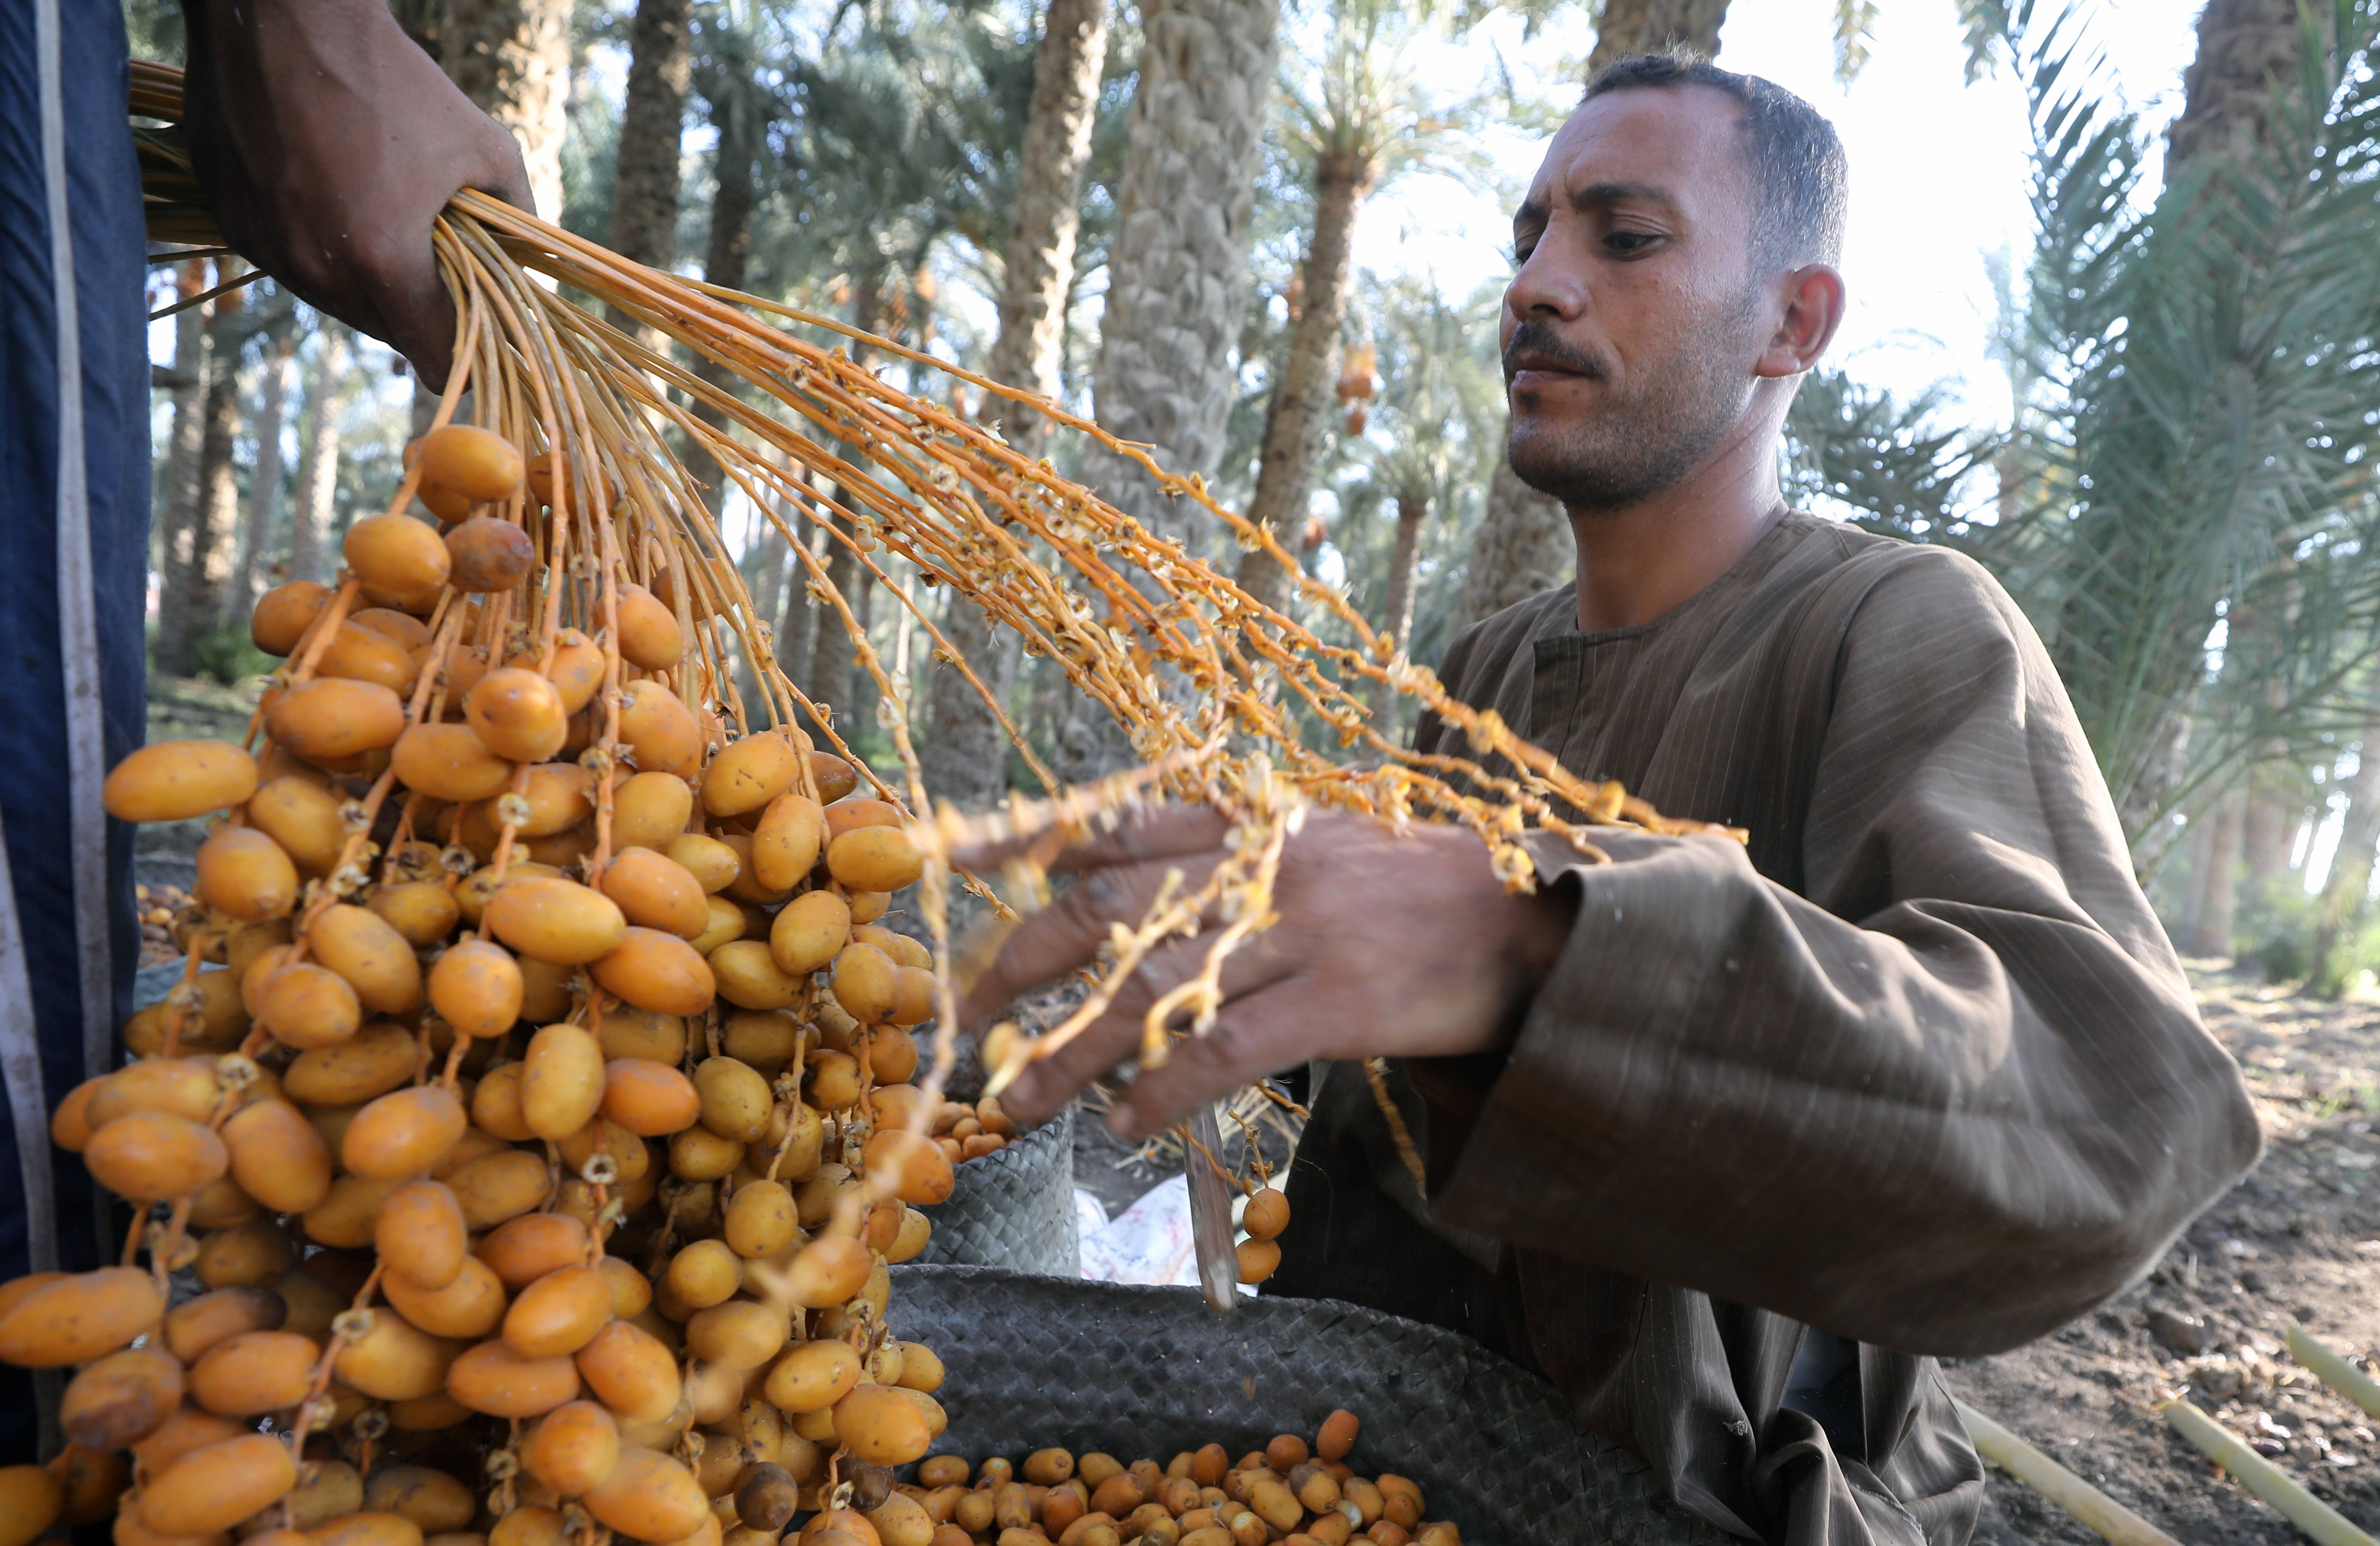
(1917, 1068)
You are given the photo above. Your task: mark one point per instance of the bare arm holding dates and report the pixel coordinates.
(1386, 946)
(329, 142)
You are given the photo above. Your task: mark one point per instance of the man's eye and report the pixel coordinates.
(1629, 241)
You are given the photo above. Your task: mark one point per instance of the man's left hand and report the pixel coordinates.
(1383, 945)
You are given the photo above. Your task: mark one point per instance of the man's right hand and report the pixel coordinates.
(328, 142)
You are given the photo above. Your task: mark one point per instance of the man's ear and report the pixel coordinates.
(1814, 309)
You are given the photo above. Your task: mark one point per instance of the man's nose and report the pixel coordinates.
(1547, 285)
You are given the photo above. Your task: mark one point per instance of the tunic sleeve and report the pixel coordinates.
(1947, 1101)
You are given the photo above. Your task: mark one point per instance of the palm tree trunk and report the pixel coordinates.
(2216, 913)
(1295, 418)
(2269, 829)
(194, 602)
(965, 754)
(262, 536)
(177, 499)
(1177, 281)
(1396, 618)
(511, 57)
(190, 609)
(727, 254)
(2246, 50)
(2349, 883)
(1048, 218)
(661, 69)
(318, 458)
(1523, 544)
(1654, 26)
(834, 676)
(795, 628)
(1178, 263)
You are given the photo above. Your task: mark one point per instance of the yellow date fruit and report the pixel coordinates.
(649, 635)
(866, 983)
(278, 1157)
(809, 932)
(373, 1062)
(813, 1376)
(501, 1187)
(882, 1425)
(657, 970)
(403, 1132)
(829, 1271)
(493, 1379)
(478, 463)
(245, 874)
(559, 1314)
(748, 775)
(468, 1308)
(449, 762)
(661, 731)
(284, 613)
(874, 859)
(254, 1373)
(557, 921)
(366, 950)
(561, 1080)
(122, 1398)
(216, 1486)
(488, 554)
(631, 1371)
(517, 714)
(650, 809)
(174, 780)
(749, 976)
(151, 1156)
(573, 1448)
(420, 1236)
(396, 554)
(649, 1098)
(331, 717)
(476, 987)
(657, 892)
(363, 655)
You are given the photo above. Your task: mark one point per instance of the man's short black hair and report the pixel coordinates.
(1798, 171)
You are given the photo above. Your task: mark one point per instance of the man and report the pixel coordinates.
(328, 142)
(1726, 1141)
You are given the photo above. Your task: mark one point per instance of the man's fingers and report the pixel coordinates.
(1048, 1084)
(1254, 1037)
(1068, 932)
(1172, 832)
(1116, 1034)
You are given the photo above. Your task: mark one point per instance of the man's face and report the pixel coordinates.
(1630, 328)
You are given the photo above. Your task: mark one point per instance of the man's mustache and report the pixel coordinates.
(1539, 338)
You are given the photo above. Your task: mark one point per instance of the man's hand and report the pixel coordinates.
(328, 142)
(1385, 946)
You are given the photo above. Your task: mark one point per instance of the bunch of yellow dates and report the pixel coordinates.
(533, 1111)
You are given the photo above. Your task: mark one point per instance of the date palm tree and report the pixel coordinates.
(965, 757)
(652, 120)
(511, 57)
(1365, 122)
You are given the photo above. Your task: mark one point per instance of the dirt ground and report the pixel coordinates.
(2298, 1240)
